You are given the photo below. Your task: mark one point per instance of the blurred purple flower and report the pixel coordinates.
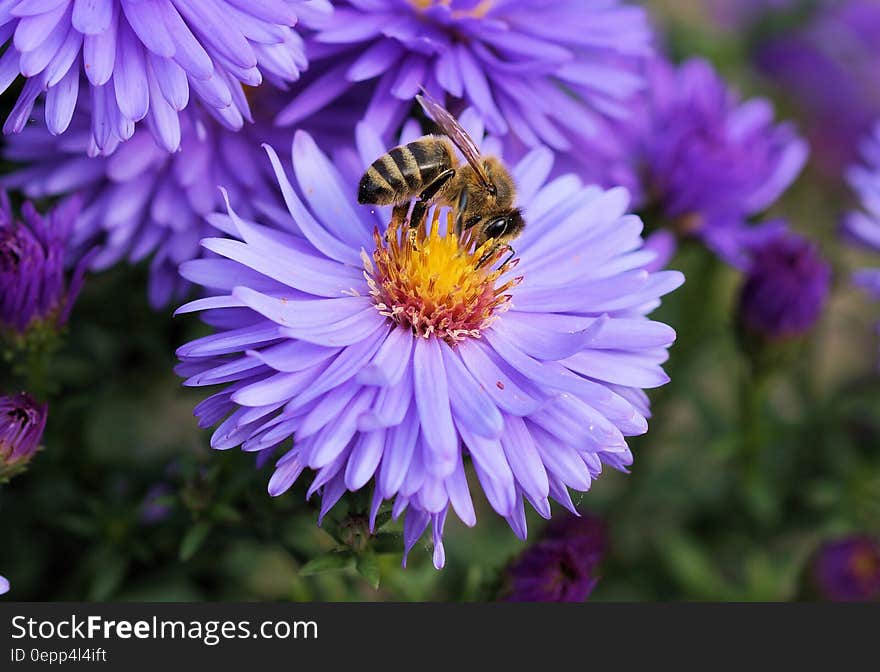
(561, 566)
(848, 570)
(331, 333)
(4, 585)
(153, 509)
(142, 60)
(835, 57)
(785, 289)
(22, 421)
(142, 200)
(863, 227)
(707, 160)
(33, 284)
(547, 73)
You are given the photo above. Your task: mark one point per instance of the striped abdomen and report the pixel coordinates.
(405, 171)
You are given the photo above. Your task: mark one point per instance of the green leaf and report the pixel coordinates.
(368, 567)
(331, 527)
(333, 561)
(193, 540)
(382, 518)
(387, 542)
(226, 513)
(108, 578)
(76, 524)
(694, 568)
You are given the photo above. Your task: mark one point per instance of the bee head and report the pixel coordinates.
(503, 227)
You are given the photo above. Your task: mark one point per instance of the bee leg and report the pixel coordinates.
(428, 193)
(398, 214)
(439, 182)
(417, 214)
(488, 255)
(398, 219)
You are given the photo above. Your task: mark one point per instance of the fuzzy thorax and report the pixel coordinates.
(428, 280)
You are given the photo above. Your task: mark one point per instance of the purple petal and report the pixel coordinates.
(432, 401)
(398, 454)
(364, 459)
(92, 17)
(472, 406)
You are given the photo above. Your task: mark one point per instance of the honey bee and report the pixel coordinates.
(427, 169)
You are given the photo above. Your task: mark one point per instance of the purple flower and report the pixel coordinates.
(22, 421)
(848, 570)
(707, 160)
(153, 508)
(142, 200)
(863, 227)
(561, 566)
(4, 585)
(394, 359)
(835, 57)
(785, 289)
(142, 60)
(546, 73)
(33, 285)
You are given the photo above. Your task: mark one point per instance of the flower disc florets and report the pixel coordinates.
(429, 280)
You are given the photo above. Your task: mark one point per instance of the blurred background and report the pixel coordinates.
(737, 488)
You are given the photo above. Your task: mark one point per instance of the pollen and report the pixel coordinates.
(434, 283)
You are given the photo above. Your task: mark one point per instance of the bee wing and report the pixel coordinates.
(453, 130)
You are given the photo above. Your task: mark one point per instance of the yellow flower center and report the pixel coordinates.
(432, 282)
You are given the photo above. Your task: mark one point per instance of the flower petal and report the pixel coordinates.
(432, 401)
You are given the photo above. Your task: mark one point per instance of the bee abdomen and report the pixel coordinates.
(383, 183)
(403, 172)
(432, 156)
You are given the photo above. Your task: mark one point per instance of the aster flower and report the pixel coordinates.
(707, 160)
(142, 200)
(847, 570)
(33, 285)
(546, 73)
(863, 227)
(143, 60)
(4, 585)
(833, 57)
(22, 421)
(393, 358)
(561, 566)
(786, 288)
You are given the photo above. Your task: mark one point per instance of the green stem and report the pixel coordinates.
(750, 456)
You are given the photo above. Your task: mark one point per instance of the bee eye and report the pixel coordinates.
(496, 228)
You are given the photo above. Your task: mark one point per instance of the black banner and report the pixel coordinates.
(230, 636)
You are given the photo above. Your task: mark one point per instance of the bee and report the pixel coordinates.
(482, 190)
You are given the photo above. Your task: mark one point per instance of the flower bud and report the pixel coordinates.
(847, 570)
(561, 566)
(22, 421)
(33, 284)
(785, 290)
